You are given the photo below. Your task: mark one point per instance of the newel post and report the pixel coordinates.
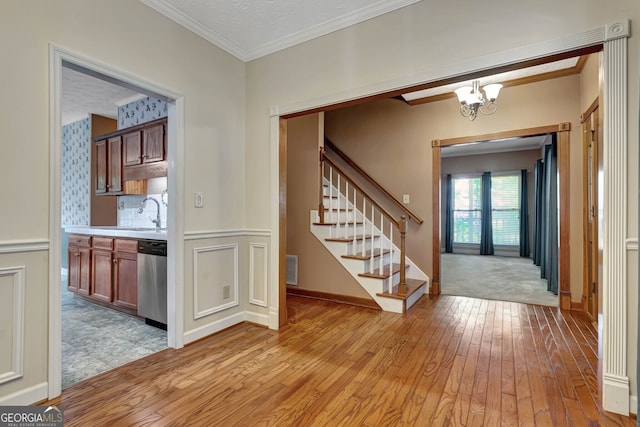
(321, 187)
(402, 286)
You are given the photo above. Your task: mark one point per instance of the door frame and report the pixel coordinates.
(562, 130)
(175, 184)
(612, 333)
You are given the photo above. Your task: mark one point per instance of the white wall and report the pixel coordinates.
(428, 38)
(130, 37)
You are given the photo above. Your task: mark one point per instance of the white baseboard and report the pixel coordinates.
(633, 405)
(212, 328)
(28, 396)
(258, 318)
(615, 394)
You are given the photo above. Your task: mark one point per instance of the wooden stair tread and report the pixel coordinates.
(338, 223)
(348, 239)
(330, 197)
(412, 286)
(367, 254)
(386, 272)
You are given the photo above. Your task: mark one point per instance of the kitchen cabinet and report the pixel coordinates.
(79, 272)
(143, 146)
(105, 270)
(102, 268)
(109, 166)
(125, 273)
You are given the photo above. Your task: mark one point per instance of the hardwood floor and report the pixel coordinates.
(448, 361)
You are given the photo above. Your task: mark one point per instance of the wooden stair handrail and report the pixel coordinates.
(371, 200)
(373, 182)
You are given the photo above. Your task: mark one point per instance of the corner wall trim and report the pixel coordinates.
(615, 391)
(257, 318)
(632, 244)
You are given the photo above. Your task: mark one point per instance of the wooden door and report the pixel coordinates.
(153, 144)
(101, 167)
(115, 165)
(102, 275)
(132, 148)
(593, 166)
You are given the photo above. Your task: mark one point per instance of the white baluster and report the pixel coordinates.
(391, 242)
(364, 217)
(346, 206)
(355, 230)
(339, 192)
(381, 239)
(330, 194)
(373, 216)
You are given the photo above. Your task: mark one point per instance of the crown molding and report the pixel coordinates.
(194, 26)
(376, 9)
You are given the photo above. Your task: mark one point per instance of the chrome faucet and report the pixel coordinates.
(156, 221)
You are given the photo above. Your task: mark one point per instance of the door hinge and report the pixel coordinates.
(593, 287)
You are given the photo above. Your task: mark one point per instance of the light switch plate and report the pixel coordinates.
(405, 198)
(198, 200)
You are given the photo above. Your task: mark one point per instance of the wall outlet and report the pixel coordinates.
(198, 199)
(226, 292)
(405, 198)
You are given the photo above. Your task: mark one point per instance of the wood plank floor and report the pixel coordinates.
(448, 361)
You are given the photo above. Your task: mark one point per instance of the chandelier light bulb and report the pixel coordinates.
(473, 100)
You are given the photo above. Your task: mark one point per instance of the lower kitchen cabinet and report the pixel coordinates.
(125, 273)
(79, 279)
(101, 286)
(105, 270)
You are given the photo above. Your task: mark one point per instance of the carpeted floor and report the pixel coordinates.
(97, 339)
(494, 277)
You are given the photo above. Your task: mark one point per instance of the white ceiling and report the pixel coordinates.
(495, 146)
(83, 95)
(249, 29)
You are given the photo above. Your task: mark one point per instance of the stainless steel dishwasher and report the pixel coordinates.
(152, 282)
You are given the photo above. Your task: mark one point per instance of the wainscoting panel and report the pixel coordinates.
(215, 276)
(12, 317)
(258, 279)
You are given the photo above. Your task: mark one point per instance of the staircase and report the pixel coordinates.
(354, 230)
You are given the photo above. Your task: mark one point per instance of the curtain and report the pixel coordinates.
(538, 189)
(525, 250)
(550, 243)
(545, 212)
(448, 232)
(486, 228)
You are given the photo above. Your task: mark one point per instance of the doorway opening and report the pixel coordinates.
(105, 260)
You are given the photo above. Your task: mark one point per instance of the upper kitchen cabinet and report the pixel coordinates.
(109, 165)
(145, 145)
(126, 158)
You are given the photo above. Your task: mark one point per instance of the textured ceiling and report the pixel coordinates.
(250, 29)
(83, 94)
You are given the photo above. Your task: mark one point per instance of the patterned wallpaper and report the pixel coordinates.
(141, 111)
(76, 175)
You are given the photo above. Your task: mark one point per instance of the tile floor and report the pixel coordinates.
(97, 339)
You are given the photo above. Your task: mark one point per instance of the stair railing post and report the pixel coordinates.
(321, 187)
(402, 286)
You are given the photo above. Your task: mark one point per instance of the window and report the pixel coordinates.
(505, 209)
(467, 210)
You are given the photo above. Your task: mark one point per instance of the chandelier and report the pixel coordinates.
(472, 100)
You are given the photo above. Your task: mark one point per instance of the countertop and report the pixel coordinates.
(113, 231)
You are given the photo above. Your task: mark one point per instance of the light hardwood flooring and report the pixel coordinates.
(449, 361)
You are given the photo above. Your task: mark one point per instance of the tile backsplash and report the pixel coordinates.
(129, 206)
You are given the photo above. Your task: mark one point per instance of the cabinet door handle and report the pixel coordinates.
(115, 261)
